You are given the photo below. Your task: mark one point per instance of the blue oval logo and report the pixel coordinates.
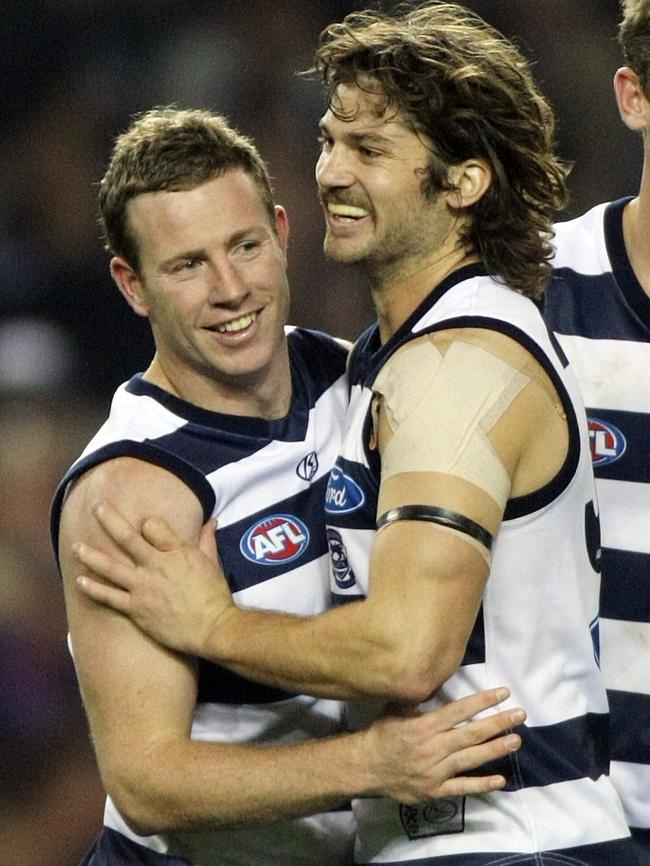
(606, 442)
(275, 540)
(343, 494)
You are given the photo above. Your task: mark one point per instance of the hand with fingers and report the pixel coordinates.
(171, 590)
(429, 752)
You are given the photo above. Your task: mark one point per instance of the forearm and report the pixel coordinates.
(345, 653)
(401, 643)
(191, 785)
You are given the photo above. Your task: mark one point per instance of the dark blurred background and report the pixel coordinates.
(72, 73)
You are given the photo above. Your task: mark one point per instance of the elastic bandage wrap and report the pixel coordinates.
(441, 408)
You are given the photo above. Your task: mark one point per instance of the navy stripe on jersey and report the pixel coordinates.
(629, 712)
(627, 596)
(625, 276)
(574, 749)
(211, 453)
(475, 648)
(602, 854)
(338, 598)
(633, 464)
(221, 686)
(574, 302)
(114, 849)
(291, 428)
(591, 294)
(146, 451)
(316, 359)
(641, 840)
(306, 505)
(559, 351)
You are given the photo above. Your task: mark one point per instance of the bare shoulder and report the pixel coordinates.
(473, 386)
(139, 489)
(492, 342)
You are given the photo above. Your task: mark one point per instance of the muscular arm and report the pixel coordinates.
(140, 697)
(426, 582)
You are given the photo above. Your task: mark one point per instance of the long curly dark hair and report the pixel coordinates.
(470, 93)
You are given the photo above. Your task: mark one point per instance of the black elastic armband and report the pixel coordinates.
(442, 516)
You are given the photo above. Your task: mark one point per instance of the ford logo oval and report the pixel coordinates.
(343, 494)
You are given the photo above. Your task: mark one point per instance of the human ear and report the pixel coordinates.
(130, 285)
(470, 180)
(282, 229)
(632, 102)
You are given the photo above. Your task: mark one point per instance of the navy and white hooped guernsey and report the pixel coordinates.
(601, 316)
(536, 632)
(265, 481)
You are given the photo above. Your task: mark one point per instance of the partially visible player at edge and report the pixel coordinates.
(460, 512)
(237, 419)
(600, 311)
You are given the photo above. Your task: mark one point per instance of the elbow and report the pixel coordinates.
(139, 813)
(413, 677)
(145, 809)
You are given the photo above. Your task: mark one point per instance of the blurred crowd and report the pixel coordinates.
(73, 72)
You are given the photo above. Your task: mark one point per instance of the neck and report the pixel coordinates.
(398, 290)
(248, 396)
(636, 230)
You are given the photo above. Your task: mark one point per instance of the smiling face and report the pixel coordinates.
(212, 282)
(370, 175)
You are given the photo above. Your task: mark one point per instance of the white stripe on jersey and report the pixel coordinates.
(609, 371)
(524, 821)
(585, 251)
(299, 593)
(256, 490)
(134, 416)
(634, 779)
(236, 723)
(624, 643)
(624, 528)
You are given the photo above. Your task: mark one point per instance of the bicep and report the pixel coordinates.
(466, 419)
(136, 693)
(426, 585)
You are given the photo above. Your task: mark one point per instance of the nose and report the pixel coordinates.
(333, 169)
(227, 285)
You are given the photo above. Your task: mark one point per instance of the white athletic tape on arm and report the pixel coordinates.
(441, 409)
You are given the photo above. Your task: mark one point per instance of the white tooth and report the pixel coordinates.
(346, 210)
(238, 324)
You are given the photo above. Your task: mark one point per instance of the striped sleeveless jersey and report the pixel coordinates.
(265, 481)
(536, 632)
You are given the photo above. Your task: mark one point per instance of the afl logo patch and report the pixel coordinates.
(343, 494)
(275, 540)
(607, 443)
